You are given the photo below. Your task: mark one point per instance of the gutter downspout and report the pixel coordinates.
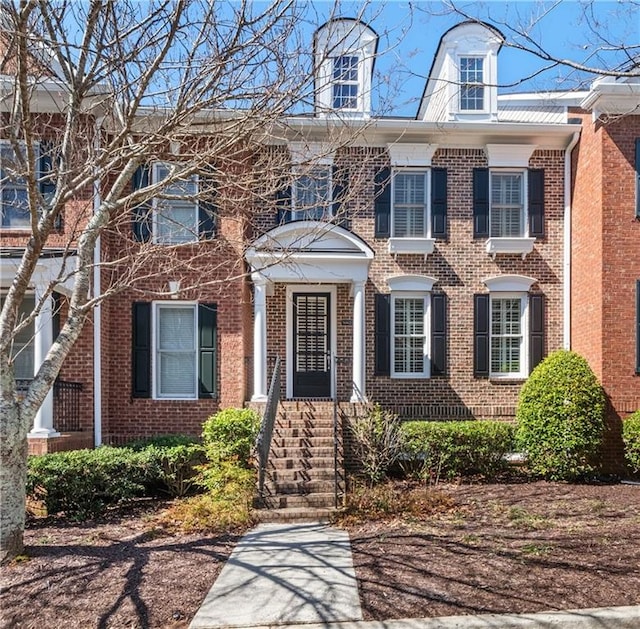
(97, 312)
(566, 298)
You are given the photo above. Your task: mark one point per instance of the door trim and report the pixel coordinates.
(308, 288)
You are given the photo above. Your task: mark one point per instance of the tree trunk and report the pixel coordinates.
(13, 478)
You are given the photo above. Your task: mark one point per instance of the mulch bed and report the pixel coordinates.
(504, 548)
(494, 548)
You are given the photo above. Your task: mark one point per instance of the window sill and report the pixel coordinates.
(507, 379)
(422, 246)
(518, 246)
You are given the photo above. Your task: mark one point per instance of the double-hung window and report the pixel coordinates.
(471, 84)
(22, 351)
(176, 365)
(13, 188)
(409, 325)
(312, 194)
(507, 345)
(507, 216)
(175, 209)
(409, 216)
(345, 82)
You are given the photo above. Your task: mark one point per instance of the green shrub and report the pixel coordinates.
(561, 417)
(458, 448)
(172, 461)
(631, 438)
(377, 441)
(81, 483)
(231, 434)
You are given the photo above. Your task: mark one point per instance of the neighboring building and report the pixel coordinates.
(422, 264)
(605, 241)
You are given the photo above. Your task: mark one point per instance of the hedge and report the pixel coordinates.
(631, 438)
(437, 449)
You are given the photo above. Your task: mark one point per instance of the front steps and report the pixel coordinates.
(300, 479)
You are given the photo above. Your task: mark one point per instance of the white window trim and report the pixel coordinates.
(523, 373)
(485, 95)
(154, 204)
(36, 148)
(426, 347)
(156, 305)
(359, 82)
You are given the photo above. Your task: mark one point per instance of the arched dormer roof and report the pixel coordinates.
(344, 52)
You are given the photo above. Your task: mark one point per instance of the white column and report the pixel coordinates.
(259, 341)
(43, 339)
(358, 393)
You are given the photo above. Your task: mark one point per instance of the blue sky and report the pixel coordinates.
(410, 32)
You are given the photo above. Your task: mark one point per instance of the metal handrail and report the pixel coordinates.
(263, 440)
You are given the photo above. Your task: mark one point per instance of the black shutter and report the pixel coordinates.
(141, 354)
(536, 203)
(638, 178)
(638, 327)
(207, 209)
(382, 203)
(283, 204)
(141, 215)
(55, 318)
(438, 334)
(481, 336)
(536, 330)
(47, 178)
(207, 350)
(480, 202)
(439, 203)
(383, 335)
(340, 181)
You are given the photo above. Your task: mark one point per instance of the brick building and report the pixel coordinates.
(423, 264)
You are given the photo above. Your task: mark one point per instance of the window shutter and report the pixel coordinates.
(481, 336)
(536, 330)
(207, 208)
(383, 335)
(55, 319)
(480, 202)
(382, 203)
(638, 178)
(340, 181)
(536, 203)
(47, 178)
(438, 334)
(283, 204)
(638, 327)
(438, 202)
(141, 215)
(207, 349)
(141, 354)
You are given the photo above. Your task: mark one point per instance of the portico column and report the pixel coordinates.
(42, 341)
(358, 393)
(259, 340)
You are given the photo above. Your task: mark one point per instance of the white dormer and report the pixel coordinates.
(463, 82)
(344, 52)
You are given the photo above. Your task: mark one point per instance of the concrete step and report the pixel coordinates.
(294, 514)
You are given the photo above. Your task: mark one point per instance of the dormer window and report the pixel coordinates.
(345, 82)
(471, 84)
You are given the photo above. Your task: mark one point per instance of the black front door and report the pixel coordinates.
(311, 343)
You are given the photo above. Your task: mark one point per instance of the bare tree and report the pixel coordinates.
(92, 94)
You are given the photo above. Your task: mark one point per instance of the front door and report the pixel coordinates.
(311, 345)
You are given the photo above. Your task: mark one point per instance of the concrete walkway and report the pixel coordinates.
(284, 574)
(302, 576)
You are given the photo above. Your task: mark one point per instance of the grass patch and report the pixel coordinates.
(537, 550)
(521, 518)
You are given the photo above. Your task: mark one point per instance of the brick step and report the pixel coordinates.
(295, 420)
(293, 475)
(306, 405)
(302, 432)
(302, 452)
(303, 488)
(294, 514)
(301, 463)
(284, 501)
(301, 442)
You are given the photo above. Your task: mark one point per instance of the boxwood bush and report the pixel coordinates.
(81, 483)
(436, 449)
(231, 434)
(560, 418)
(631, 438)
